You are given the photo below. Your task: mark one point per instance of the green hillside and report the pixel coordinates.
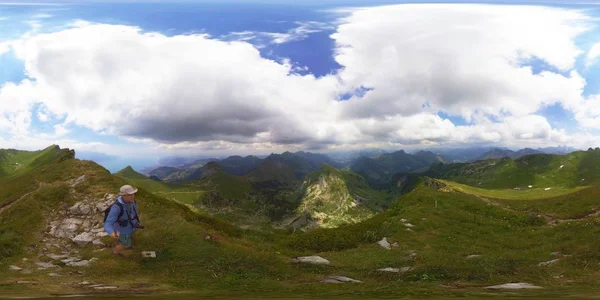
(538, 170)
(446, 242)
(380, 170)
(14, 162)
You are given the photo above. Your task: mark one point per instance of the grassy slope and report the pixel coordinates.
(186, 260)
(511, 194)
(539, 170)
(511, 245)
(247, 262)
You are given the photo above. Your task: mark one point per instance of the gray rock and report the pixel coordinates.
(26, 282)
(556, 253)
(409, 225)
(26, 271)
(101, 234)
(339, 279)
(81, 263)
(80, 209)
(70, 260)
(14, 268)
(56, 256)
(106, 287)
(315, 260)
(391, 270)
(513, 286)
(472, 256)
(84, 283)
(403, 220)
(45, 265)
(548, 263)
(54, 275)
(98, 242)
(83, 238)
(384, 243)
(151, 254)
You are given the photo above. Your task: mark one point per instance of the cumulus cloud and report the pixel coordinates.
(458, 58)
(409, 62)
(171, 89)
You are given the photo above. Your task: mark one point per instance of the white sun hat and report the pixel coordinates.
(127, 190)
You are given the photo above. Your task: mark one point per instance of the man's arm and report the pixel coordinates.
(136, 221)
(111, 219)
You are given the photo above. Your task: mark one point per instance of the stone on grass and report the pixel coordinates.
(391, 270)
(315, 260)
(385, 244)
(26, 282)
(548, 263)
(513, 286)
(14, 268)
(106, 287)
(339, 279)
(472, 256)
(45, 265)
(150, 254)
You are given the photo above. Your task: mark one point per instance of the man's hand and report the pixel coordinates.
(115, 234)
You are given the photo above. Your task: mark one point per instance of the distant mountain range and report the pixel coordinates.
(376, 165)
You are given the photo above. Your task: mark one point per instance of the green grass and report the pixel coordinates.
(448, 226)
(512, 194)
(539, 170)
(573, 205)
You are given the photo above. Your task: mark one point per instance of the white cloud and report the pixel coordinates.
(458, 58)
(171, 89)
(593, 54)
(191, 91)
(260, 38)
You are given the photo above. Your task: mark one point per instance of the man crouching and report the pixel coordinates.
(121, 219)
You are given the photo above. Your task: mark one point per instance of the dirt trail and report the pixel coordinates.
(10, 204)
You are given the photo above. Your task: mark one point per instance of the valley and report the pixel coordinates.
(434, 232)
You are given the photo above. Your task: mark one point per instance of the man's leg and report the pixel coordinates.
(124, 243)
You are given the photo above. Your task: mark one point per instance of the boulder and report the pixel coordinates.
(384, 243)
(472, 256)
(315, 260)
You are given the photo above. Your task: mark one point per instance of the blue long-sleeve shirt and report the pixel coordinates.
(128, 217)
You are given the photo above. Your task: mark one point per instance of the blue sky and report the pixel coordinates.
(315, 54)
